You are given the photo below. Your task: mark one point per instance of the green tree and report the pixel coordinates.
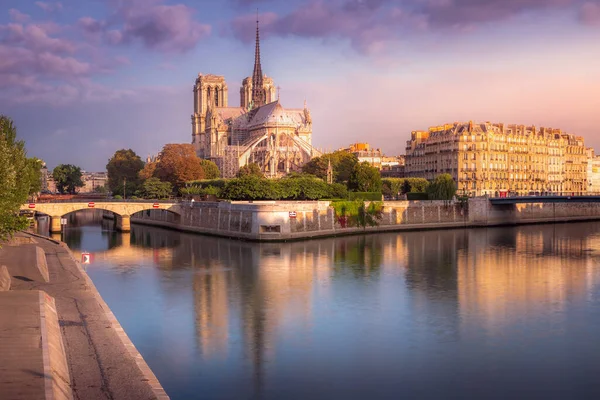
(365, 178)
(153, 188)
(392, 186)
(251, 169)
(211, 171)
(67, 178)
(101, 189)
(123, 170)
(250, 188)
(302, 188)
(18, 179)
(442, 188)
(338, 191)
(342, 164)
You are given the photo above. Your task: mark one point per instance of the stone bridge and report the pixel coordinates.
(122, 209)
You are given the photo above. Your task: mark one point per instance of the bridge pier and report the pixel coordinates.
(55, 226)
(123, 223)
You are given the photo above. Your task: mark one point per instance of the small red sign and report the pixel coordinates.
(292, 214)
(155, 205)
(86, 258)
(31, 205)
(91, 204)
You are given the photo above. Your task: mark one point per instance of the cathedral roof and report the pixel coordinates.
(274, 113)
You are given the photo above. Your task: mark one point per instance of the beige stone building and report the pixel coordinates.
(491, 159)
(260, 130)
(593, 172)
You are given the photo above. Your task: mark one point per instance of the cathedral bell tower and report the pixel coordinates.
(210, 91)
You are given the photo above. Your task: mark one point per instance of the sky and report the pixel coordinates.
(84, 78)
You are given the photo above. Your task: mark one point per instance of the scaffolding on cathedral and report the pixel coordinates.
(260, 130)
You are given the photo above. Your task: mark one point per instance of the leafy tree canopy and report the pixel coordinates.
(178, 163)
(211, 171)
(153, 188)
(342, 164)
(442, 188)
(251, 169)
(19, 177)
(67, 178)
(123, 172)
(365, 178)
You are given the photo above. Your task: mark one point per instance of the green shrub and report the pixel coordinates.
(338, 191)
(250, 188)
(369, 196)
(356, 213)
(417, 196)
(117, 197)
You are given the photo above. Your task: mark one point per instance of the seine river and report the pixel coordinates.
(483, 313)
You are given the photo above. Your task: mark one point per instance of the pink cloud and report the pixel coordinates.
(167, 28)
(369, 25)
(38, 63)
(590, 14)
(49, 6)
(18, 16)
(33, 37)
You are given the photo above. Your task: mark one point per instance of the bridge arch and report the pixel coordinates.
(123, 210)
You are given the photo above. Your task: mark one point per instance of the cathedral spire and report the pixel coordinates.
(258, 91)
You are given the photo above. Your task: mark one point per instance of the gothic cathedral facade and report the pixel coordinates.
(259, 131)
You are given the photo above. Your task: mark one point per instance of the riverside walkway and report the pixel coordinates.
(58, 338)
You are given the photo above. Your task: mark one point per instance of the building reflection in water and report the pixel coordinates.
(433, 287)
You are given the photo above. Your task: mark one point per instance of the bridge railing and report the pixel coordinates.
(172, 200)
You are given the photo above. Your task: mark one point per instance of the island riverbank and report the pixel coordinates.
(86, 354)
(297, 220)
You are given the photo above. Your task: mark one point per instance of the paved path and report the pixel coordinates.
(102, 362)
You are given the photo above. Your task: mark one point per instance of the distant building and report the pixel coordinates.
(487, 158)
(593, 172)
(364, 152)
(390, 166)
(92, 181)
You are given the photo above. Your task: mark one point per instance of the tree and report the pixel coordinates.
(251, 169)
(153, 188)
(365, 178)
(211, 171)
(442, 188)
(18, 179)
(67, 178)
(148, 170)
(178, 163)
(250, 188)
(123, 172)
(342, 164)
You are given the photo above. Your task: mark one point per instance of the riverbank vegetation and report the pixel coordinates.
(336, 176)
(20, 177)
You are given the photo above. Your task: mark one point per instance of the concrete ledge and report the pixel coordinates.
(33, 364)
(41, 263)
(26, 262)
(4, 279)
(54, 356)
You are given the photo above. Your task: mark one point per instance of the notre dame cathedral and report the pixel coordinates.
(260, 131)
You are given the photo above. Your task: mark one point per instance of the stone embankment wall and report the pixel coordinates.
(272, 220)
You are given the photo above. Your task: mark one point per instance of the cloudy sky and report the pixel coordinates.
(83, 78)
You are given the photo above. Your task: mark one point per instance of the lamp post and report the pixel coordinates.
(124, 186)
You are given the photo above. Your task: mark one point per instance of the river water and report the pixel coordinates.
(482, 313)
